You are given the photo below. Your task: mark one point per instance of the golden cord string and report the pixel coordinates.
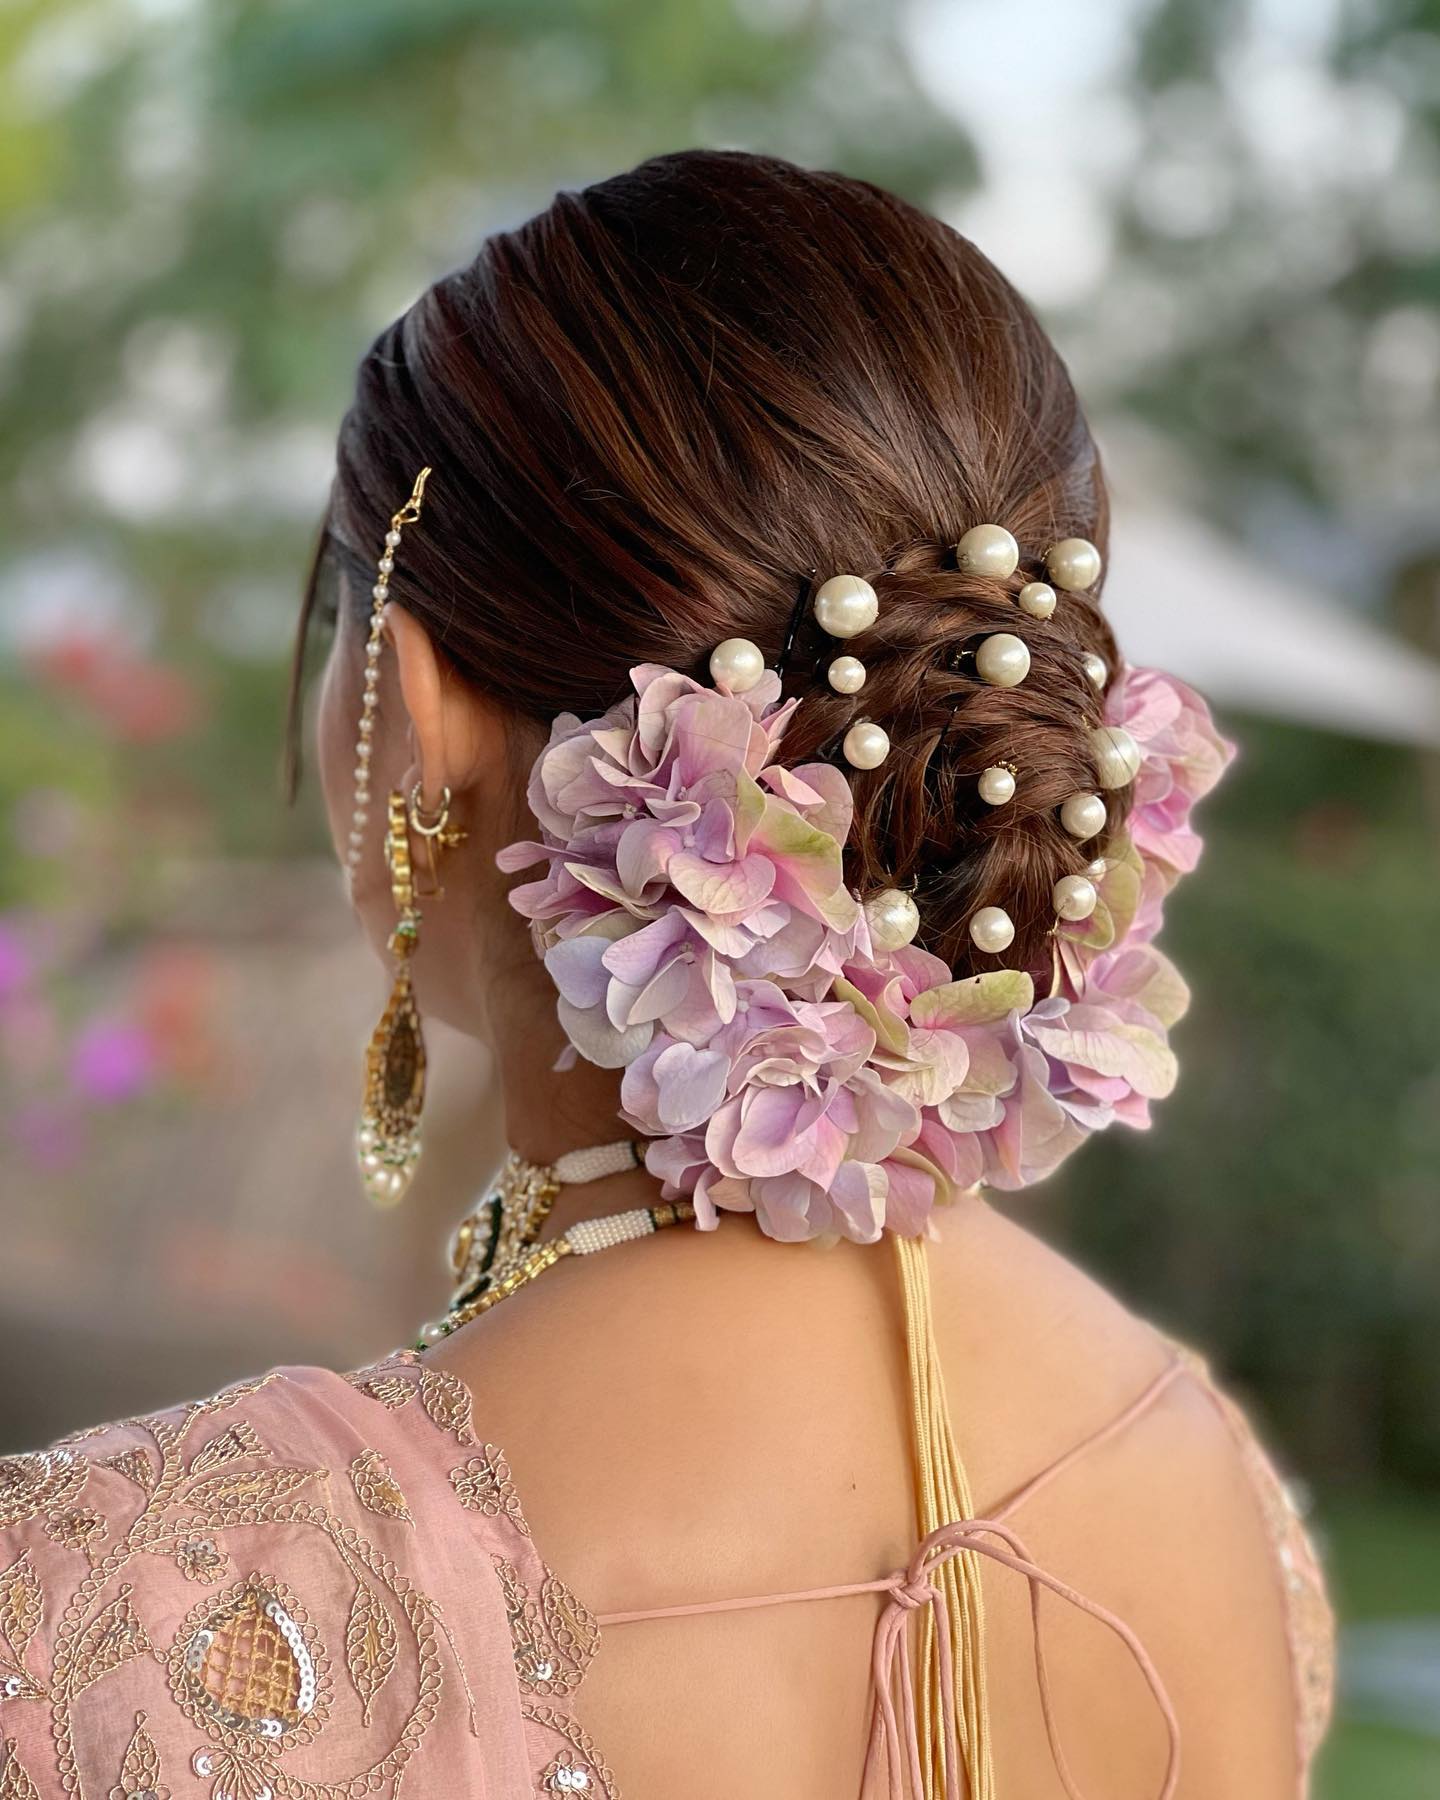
(942, 1495)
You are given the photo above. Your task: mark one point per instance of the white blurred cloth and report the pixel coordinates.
(1184, 598)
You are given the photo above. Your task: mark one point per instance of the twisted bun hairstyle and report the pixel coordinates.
(661, 409)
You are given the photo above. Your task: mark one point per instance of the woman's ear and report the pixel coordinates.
(457, 736)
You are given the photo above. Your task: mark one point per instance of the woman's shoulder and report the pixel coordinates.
(265, 1583)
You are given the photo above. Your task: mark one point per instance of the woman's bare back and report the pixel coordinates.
(704, 1417)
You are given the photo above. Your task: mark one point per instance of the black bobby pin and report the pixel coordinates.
(797, 613)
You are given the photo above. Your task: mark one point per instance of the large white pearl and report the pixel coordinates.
(1074, 897)
(1036, 598)
(1097, 669)
(1073, 564)
(1003, 660)
(866, 745)
(893, 918)
(1117, 755)
(736, 664)
(845, 605)
(1084, 815)
(996, 785)
(988, 550)
(846, 674)
(992, 930)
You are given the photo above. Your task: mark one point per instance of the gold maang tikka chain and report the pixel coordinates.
(388, 1138)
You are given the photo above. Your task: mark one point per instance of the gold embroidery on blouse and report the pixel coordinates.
(22, 1606)
(376, 1487)
(78, 1529)
(249, 1665)
(113, 1637)
(447, 1400)
(485, 1486)
(135, 1466)
(246, 1665)
(180, 1517)
(42, 1481)
(237, 1440)
(140, 1772)
(15, 1784)
(390, 1390)
(371, 1645)
(553, 1637)
(581, 1759)
(197, 1558)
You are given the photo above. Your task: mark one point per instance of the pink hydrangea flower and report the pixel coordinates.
(694, 917)
(1184, 756)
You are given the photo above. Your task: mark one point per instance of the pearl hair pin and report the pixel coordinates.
(736, 664)
(1097, 669)
(997, 784)
(1073, 564)
(893, 919)
(845, 605)
(1117, 755)
(1074, 897)
(846, 674)
(1002, 660)
(1084, 816)
(992, 930)
(1036, 598)
(865, 745)
(988, 550)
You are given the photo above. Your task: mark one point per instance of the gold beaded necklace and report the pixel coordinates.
(494, 1250)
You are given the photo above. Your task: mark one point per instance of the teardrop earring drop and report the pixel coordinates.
(388, 1140)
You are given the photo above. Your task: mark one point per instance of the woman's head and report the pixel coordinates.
(661, 410)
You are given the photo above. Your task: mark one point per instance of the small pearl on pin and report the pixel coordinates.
(1003, 660)
(988, 550)
(996, 785)
(866, 745)
(736, 664)
(992, 930)
(845, 605)
(846, 674)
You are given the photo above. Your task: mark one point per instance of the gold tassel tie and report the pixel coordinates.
(942, 1495)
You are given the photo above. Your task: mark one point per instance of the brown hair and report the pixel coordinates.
(663, 407)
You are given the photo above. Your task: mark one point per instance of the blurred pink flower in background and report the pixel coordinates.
(112, 1060)
(137, 699)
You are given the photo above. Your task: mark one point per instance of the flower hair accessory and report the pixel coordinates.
(790, 1052)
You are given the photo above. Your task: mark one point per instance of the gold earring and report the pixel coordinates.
(435, 834)
(388, 1140)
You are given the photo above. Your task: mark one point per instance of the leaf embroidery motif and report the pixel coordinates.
(239, 1439)
(371, 1643)
(114, 1636)
(140, 1771)
(22, 1605)
(236, 1490)
(390, 1390)
(15, 1784)
(447, 1400)
(39, 1482)
(135, 1465)
(484, 1485)
(376, 1487)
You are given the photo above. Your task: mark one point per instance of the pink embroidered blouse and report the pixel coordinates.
(324, 1587)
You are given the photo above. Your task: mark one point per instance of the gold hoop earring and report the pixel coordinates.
(388, 1140)
(436, 834)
